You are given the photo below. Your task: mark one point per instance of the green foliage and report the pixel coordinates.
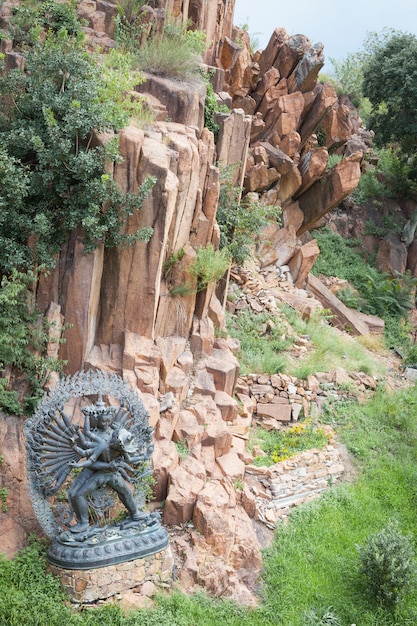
(117, 85)
(182, 448)
(394, 101)
(129, 26)
(28, 595)
(240, 221)
(330, 350)
(280, 445)
(177, 53)
(370, 187)
(57, 105)
(209, 266)
(313, 562)
(380, 293)
(348, 75)
(23, 337)
(211, 106)
(321, 617)
(3, 498)
(392, 177)
(173, 259)
(388, 565)
(30, 19)
(262, 342)
(334, 159)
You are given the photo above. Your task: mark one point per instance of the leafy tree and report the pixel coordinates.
(51, 114)
(390, 83)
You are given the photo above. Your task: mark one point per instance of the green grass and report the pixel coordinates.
(314, 562)
(313, 566)
(331, 349)
(266, 341)
(263, 339)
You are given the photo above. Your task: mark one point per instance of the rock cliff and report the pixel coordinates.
(125, 312)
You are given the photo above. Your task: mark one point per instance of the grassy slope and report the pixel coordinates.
(313, 563)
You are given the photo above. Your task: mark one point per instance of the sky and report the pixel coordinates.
(340, 26)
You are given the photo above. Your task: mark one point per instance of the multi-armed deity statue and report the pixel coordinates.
(80, 467)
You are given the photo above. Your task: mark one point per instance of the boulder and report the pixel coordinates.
(170, 349)
(183, 101)
(233, 142)
(231, 466)
(337, 126)
(218, 437)
(279, 412)
(176, 382)
(140, 350)
(329, 190)
(344, 317)
(227, 405)
(312, 166)
(212, 520)
(188, 429)
(277, 245)
(224, 367)
(303, 260)
(185, 483)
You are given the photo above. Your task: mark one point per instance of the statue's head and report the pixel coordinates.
(101, 416)
(126, 441)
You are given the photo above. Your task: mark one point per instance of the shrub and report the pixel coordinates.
(23, 337)
(369, 187)
(209, 266)
(380, 293)
(387, 563)
(178, 53)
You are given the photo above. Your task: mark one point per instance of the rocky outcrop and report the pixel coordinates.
(279, 88)
(110, 292)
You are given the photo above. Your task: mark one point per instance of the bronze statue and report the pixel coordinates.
(107, 455)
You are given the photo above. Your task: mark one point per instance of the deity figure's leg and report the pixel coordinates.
(127, 498)
(78, 500)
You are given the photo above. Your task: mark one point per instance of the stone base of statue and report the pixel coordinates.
(85, 586)
(94, 547)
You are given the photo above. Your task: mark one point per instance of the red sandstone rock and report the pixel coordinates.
(185, 483)
(303, 260)
(231, 466)
(188, 429)
(227, 405)
(279, 412)
(392, 255)
(164, 461)
(331, 189)
(344, 316)
(224, 367)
